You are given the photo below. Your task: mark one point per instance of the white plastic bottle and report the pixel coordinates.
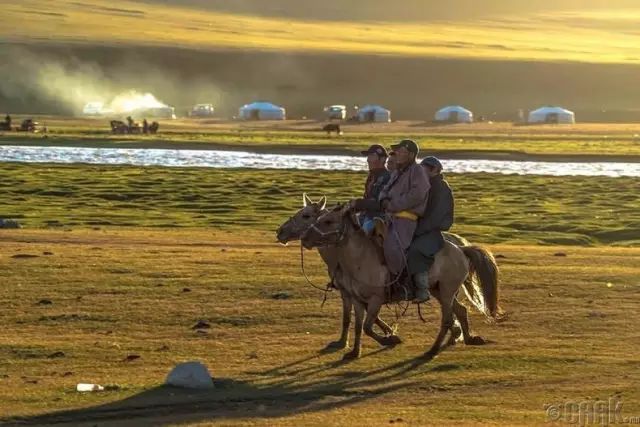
(89, 387)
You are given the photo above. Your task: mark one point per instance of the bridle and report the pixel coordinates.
(323, 242)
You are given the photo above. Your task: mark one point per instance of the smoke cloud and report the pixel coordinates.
(33, 82)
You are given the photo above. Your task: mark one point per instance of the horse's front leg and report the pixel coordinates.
(343, 342)
(357, 343)
(373, 309)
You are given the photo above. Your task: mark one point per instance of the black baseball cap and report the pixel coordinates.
(375, 148)
(409, 144)
(432, 161)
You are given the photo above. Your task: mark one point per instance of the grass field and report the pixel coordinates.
(583, 142)
(588, 36)
(118, 262)
(115, 293)
(489, 208)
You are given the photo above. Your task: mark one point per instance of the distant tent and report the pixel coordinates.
(262, 111)
(551, 115)
(454, 114)
(374, 113)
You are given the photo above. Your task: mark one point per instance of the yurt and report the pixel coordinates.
(262, 111)
(374, 113)
(551, 115)
(454, 114)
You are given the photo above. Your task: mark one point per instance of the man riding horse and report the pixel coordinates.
(376, 181)
(437, 217)
(405, 216)
(404, 200)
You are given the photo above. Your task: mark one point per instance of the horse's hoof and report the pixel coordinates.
(351, 355)
(430, 354)
(391, 341)
(336, 345)
(475, 340)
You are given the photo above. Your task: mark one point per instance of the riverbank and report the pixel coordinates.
(497, 141)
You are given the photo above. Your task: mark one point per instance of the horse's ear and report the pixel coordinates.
(306, 200)
(322, 202)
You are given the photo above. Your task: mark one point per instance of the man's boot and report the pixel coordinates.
(421, 281)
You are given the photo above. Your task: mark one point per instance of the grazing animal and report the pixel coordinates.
(332, 127)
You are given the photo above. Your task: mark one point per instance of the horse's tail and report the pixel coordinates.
(482, 289)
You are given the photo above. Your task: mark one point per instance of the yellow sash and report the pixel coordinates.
(406, 215)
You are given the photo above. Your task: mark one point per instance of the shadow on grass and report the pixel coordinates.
(276, 394)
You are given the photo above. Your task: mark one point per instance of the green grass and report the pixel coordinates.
(588, 36)
(490, 208)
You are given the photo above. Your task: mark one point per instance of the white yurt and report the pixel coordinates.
(551, 115)
(374, 113)
(454, 114)
(262, 111)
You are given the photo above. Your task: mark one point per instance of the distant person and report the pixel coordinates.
(153, 127)
(8, 120)
(130, 123)
(145, 126)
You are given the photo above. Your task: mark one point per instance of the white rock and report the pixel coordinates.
(190, 375)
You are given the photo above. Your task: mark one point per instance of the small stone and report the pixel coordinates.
(192, 375)
(184, 290)
(47, 253)
(562, 254)
(112, 387)
(67, 374)
(45, 302)
(500, 256)
(24, 256)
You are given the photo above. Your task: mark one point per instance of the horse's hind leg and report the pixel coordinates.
(357, 344)
(446, 322)
(461, 314)
(343, 342)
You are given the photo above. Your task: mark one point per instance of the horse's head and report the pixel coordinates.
(295, 226)
(329, 229)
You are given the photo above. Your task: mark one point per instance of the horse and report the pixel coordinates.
(304, 218)
(366, 280)
(291, 230)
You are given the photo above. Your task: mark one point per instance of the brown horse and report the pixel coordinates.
(292, 230)
(295, 226)
(365, 279)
